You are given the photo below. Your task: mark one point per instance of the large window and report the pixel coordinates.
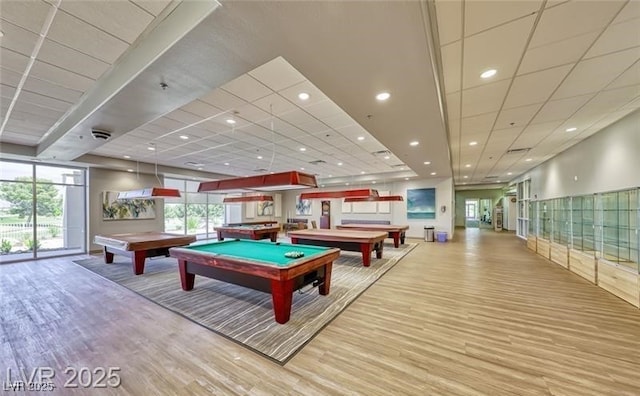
(525, 226)
(193, 213)
(42, 211)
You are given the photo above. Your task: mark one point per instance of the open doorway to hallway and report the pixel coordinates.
(472, 213)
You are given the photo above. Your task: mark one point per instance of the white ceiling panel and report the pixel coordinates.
(630, 11)
(43, 101)
(631, 76)
(247, 88)
(122, 19)
(277, 74)
(315, 95)
(499, 48)
(201, 109)
(484, 99)
(561, 109)
(13, 61)
(9, 78)
(154, 7)
(452, 62)
(275, 104)
(17, 39)
(72, 60)
(451, 12)
(29, 15)
(617, 38)
(483, 15)
(517, 116)
(557, 53)
(323, 109)
(593, 15)
(534, 134)
(478, 124)
(74, 33)
(59, 76)
(594, 74)
(45, 88)
(453, 106)
(535, 87)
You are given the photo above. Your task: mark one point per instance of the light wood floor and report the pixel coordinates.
(478, 316)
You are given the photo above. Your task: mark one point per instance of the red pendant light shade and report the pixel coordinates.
(150, 193)
(277, 181)
(375, 199)
(364, 193)
(248, 198)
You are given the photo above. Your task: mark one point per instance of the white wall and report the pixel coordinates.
(606, 161)
(108, 180)
(398, 215)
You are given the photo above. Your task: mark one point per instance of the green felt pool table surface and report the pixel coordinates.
(272, 253)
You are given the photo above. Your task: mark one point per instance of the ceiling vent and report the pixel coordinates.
(518, 150)
(318, 162)
(381, 153)
(260, 170)
(398, 166)
(491, 177)
(194, 164)
(100, 134)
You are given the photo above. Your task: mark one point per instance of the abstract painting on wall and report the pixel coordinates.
(126, 209)
(303, 206)
(421, 203)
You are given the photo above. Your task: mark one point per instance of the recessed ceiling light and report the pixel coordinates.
(184, 137)
(497, 181)
(467, 166)
(488, 73)
(129, 170)
(571, 129)
(329, 176)
(465, 177)
(199, 168)
(373, 182)
(1, 33)
(346, 184)
(360, 137)
(303, 149)
(402, 168)
(427, 162)
(386, 157)
(529, 159)
(303, 96)
(226, 164)
(259, 157)
(272, 173)
(231, 121)
(433, 173)
(151, 148)
(362, 172)
(406, 178)
(414, 143)
(382, 96)
(301, 168)
(127, 156)
(509, 173)
(339, 163)
(473, 143)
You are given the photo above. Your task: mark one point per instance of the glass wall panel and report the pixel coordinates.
(544, 216)
(560, 217)
(197, 214)
(58, 225)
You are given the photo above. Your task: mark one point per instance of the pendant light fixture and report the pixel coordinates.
(151, 192)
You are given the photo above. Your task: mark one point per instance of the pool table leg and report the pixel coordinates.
(402, 237)
(138, 261)
(108, 256)
(323, 289)
(274, 237)
(186, 279)
(379, 250)
(281, 296)
(396, 239)
(365, 248)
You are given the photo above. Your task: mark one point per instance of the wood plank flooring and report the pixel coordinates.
(480, 315)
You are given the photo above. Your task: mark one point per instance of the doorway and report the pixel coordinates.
(486, 213)
(471, 213)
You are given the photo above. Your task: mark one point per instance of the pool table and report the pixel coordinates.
(350, 240)
(140, 245)
(397, 232)
(259, 265)
(254, 232)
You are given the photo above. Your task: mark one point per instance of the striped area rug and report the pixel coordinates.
(245, 315)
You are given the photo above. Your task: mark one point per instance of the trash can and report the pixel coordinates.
(428, 234)
(441, 236)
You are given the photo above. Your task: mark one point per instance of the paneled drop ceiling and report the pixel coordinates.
(559, 65)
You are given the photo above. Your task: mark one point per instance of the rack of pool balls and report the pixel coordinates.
(294, 254)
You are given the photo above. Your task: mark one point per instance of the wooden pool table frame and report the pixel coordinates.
(140, 245)
(280, 281)
(397, 232)
(240, 232)
(350, 240)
